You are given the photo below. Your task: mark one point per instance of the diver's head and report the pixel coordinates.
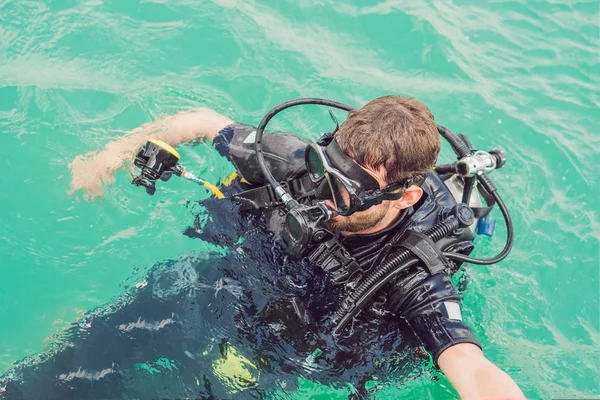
(375, 163)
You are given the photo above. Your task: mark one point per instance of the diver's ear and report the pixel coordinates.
(411, 195)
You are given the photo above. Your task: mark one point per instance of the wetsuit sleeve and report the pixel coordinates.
(430, 304)
(283, 152)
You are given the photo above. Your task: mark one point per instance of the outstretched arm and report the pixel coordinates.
(93, 170)
(474, 376)
(431, 306)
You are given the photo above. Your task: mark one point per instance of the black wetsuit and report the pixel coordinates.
(428, 303)
(166, 337)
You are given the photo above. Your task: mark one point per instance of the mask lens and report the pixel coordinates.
(340, 194)
(314, 164)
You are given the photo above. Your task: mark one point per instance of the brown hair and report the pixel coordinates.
(398, 133)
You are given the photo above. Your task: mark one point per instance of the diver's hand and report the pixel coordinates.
(90, 172)
(474, 376)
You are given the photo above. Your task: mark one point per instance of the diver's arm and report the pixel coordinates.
(92, 170)
(474, 376)
(431, 306)
(183, 127)
(283, 153)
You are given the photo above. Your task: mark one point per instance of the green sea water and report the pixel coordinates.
(524, 75)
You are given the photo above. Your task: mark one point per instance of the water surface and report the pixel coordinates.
(74, 75)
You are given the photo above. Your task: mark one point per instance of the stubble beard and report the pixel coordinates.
(359, 221)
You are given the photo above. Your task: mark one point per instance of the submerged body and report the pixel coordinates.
(181, 332)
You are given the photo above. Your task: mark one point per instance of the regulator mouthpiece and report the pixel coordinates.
(304, 227)
(156, 160)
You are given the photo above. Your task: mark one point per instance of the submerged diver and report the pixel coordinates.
(374, 178)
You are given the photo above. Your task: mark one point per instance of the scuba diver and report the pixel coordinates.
(353, 238)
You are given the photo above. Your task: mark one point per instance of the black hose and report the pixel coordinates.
(349, 306)
(445, 169)
(263, 124)
(467, 190)
(459, 146)
(370, 293)
(486, 182)
(463, 148)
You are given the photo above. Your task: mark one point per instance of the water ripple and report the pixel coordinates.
(522, 74)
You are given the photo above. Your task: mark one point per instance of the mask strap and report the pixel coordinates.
(398, 185)
(327, 137)
(388, 193)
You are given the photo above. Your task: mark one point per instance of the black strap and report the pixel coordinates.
(256, 198)
(426, 250)
(481, 212)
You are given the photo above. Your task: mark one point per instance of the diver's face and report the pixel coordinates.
(363, 220)
(359, 221)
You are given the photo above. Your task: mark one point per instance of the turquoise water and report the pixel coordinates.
(74, 75)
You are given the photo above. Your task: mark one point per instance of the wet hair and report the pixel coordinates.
(398, 133)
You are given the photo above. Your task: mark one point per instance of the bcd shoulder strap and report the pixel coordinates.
(426, 250)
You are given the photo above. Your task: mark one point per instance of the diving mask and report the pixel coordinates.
(343, 181)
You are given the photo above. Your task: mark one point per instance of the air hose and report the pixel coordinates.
(489, 186)
(462, 216)
(281, 193)
(463, 149)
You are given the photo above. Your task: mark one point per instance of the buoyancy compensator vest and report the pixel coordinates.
(433, 235)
